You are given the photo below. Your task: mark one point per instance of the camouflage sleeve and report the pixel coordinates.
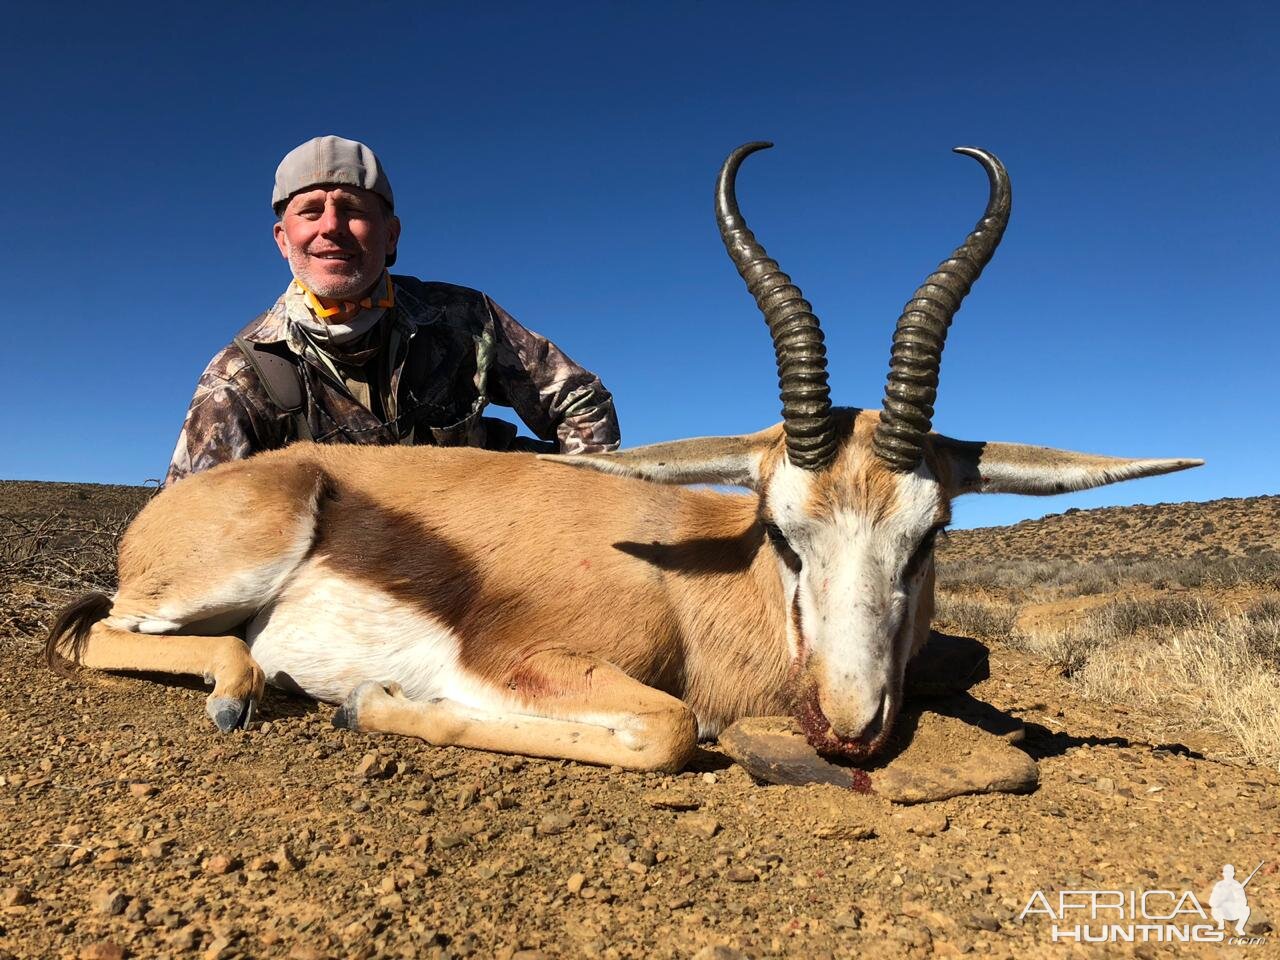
(552, 394)
(222, 424)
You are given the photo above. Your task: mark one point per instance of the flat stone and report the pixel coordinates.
(944, 757)
(843, 827)
(958, 746)
(774, 750)
(699, 824)
(671, 800)
(102, 950)
(850, 920)
(923, 822)
(554, 823)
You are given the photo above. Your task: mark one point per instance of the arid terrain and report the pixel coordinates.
(1139, 647)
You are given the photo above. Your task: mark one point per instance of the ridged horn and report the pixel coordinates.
(797, 337)
(921, 333)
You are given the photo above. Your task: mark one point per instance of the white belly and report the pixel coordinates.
(327, 633)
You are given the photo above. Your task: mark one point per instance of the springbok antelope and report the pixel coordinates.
(604, 614)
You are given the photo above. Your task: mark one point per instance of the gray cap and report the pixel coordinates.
(330, 160)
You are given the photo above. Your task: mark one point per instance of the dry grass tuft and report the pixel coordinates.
(1179, 659)
(1213, 670)
(976, 617)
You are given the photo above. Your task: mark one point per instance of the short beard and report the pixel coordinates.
(332, 289)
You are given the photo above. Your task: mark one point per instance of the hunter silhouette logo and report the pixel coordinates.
(1227, 902)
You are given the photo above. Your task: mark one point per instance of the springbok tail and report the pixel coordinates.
(64, 646)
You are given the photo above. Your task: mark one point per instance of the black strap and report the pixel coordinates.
(281, 380)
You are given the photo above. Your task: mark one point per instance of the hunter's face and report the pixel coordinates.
(337, 239)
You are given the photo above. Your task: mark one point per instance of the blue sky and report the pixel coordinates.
(561, 157)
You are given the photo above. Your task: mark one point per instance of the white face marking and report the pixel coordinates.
(853, 590)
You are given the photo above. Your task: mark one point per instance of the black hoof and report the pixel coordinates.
(344, 718)
(229, 714)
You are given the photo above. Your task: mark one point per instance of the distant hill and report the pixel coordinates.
(1213, 529)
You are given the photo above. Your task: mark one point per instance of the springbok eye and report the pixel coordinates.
(922, 551)
(783, 546)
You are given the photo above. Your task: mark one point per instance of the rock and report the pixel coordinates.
(108, 900)
(220, 865)
(306, 951)
(842, 825)
(921, 821)
(373, 766)
(554, 823)
(944, 757)
(719, 952)
(670, 800)
(218, 948)
(142, 790)
(15, 897)
(981, 921)
(699, 824)
(849, 920)
(102, 950)
(740, 874)
(774, 750)
(136, 909)
(574, 883)
(184, 939)
(417, 806)
(261, 864)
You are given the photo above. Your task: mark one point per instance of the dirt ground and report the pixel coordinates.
(131, 828)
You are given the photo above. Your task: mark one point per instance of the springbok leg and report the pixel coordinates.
(576, 708)
(225, 661)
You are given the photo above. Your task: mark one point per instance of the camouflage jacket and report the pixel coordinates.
(451, 352)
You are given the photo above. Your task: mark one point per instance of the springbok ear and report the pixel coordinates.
(727, 460)
(1019, 468)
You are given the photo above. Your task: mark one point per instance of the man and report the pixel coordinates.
(1227, 900)
(352, 354)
